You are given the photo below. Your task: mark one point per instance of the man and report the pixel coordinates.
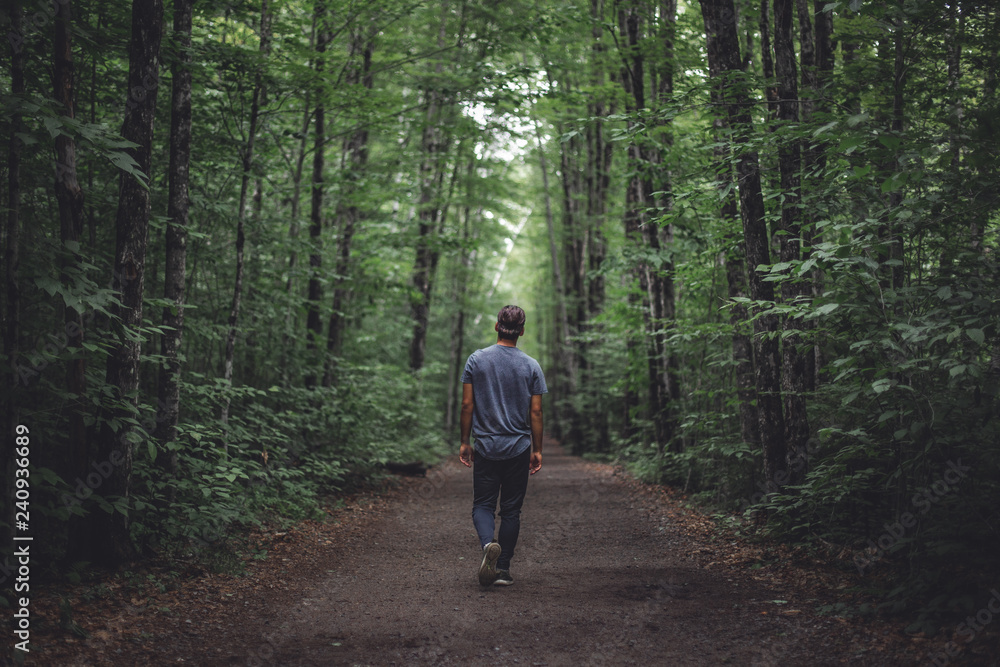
(502, 407)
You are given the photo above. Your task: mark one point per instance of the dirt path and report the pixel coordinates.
(608, 572)
(600, 578)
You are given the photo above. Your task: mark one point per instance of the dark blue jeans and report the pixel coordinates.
(508, 481)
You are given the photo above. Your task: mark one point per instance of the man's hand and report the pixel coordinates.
(536, 462)
(465, 455)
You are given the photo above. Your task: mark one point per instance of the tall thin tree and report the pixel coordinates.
(69, 194)
(355, 161)
(314, 325)
(726, 65)
(241, 211)
(112, 544)
(434, 145)
(796, 367)
(168, 404)
(733, 258)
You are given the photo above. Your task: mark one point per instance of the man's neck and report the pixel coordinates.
(506, 342)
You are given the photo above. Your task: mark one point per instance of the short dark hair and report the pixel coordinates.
(510, 322)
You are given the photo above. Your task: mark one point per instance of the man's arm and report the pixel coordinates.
(536, 434)
(468, 404)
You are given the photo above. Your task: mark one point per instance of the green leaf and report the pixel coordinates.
(881, 386)
(53, 125)
(854, 120)
(50, 285)
(894, 182)
(826, 309)
(886, 416)
(828, 126)
(976, 335)
(849, 145)
(889, 141)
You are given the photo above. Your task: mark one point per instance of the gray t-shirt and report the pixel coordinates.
(503, 381)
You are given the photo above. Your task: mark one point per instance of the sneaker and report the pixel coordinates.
(488, 568)
(503, 578)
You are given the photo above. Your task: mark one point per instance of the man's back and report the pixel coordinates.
(503, 379)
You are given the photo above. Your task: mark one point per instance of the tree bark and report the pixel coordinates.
(565, 359)
(824, 61)
(241, 212)
(293, 228)
(597, 180)
(314, 327)
(69, 195)
(736, 279)
(668, 366)
(433, 147)
(890, 235)
(633, 82)
(655, 280)
(112, 544)
(168, 404)
(724, 61)
(465, 270)
(796, 369)
(767, 58)
(355, 160)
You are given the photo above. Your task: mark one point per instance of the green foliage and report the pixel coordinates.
(287, 450)
(899, 312)
(901, 228)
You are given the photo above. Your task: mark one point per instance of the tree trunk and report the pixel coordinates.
(293, 234)
(767, 58)
(597, 176)
(896, 196)
(668, 365)
(314, 327)
(433, 146)
(241, 211)
(807, 61)
(355, 164)
(430, 211)
(70, 198)
(891, 238)
(565, 359)
(816, 51)
(458, 323)
(629, 26)
(724, 61)
(112, 544)
(736, 281)
(796, 371)
(168, 405)
(656, 281)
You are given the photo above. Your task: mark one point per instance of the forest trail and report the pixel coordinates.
(603, 576)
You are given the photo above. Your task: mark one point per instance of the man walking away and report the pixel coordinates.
(502, 407)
